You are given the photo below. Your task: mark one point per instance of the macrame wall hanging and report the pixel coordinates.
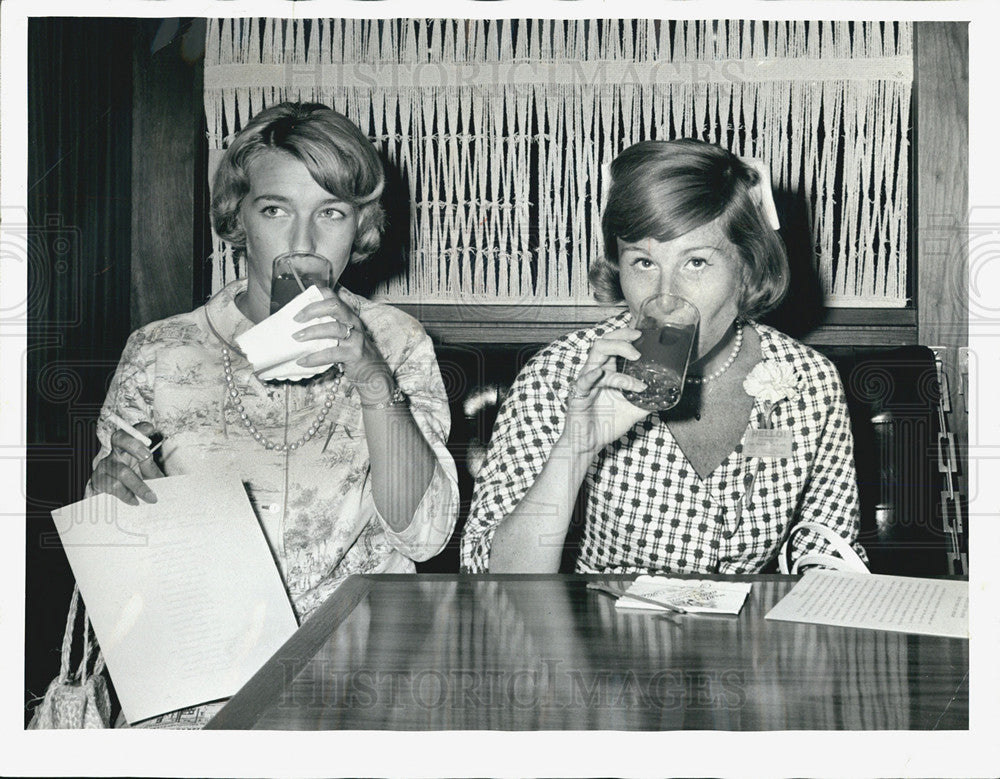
(502, 130)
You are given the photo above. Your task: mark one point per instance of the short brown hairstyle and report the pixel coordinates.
(340, 158)
(664, 189)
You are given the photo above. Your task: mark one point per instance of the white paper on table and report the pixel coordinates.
(900, 604)
(697, 596)
(271, 349)
(184, 595)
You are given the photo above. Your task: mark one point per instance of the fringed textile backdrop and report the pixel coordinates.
(502, 130)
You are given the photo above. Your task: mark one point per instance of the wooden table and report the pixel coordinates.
(436, 652)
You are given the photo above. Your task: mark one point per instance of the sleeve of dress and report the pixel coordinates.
(831, 496)
(528, 425)
(130, 394)
(434, 519)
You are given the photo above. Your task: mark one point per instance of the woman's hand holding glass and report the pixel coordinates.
(401, 459)
(354, 350)
(530, 538)
(596, 412)
(116, 475)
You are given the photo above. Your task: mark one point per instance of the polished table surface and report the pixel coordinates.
(443, 652)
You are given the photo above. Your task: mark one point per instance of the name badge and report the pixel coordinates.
(768, 443)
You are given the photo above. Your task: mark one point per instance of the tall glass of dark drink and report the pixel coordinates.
(668, 325)
(293, 273)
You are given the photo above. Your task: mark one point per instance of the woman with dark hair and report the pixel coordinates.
(347, 469)
(759, 439)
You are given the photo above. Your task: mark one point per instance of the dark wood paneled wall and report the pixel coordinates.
(168, 210)
(116, 218)
(941, 142)
(79, 216)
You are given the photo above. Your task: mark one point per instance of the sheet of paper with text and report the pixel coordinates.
(184, 594)
(902, 604)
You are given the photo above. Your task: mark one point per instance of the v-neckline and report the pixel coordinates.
(753, 423)
(737, 450)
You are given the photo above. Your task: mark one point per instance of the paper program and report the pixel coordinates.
(184, 595)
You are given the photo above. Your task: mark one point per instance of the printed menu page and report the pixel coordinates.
(897, 603)
(184, 595)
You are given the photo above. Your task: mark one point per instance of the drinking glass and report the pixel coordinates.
(294, 272)
(668, 324)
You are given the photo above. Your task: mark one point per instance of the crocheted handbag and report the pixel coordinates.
(75, 700)
(847, 561)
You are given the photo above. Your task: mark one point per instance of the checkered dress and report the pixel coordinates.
(646, 509)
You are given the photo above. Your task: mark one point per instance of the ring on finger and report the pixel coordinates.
(575, 393)
(350, 329)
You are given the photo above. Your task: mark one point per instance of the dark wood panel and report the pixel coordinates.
(543, 653)
(941, 140)
(167, 124)
(452, 332)
(499, 324)
(79, 101)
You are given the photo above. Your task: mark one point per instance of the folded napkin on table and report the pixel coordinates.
(271, 349)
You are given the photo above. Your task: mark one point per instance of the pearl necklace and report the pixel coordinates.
(259, 437)
(729, 360)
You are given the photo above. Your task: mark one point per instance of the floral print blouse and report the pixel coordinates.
(314, 503)
(646, 509)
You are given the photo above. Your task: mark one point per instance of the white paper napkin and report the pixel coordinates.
(271, 349)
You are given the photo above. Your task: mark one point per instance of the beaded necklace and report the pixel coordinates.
(263, 440)
(726, 365)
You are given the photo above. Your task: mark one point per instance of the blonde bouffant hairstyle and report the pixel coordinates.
(339, 157)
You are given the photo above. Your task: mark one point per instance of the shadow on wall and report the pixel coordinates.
(802, 310)
(392, 258)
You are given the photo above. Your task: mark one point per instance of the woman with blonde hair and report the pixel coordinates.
(347, 469)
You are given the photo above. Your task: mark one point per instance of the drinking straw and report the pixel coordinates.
(295, 273)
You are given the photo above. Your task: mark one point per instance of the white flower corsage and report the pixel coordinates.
(771, 382)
